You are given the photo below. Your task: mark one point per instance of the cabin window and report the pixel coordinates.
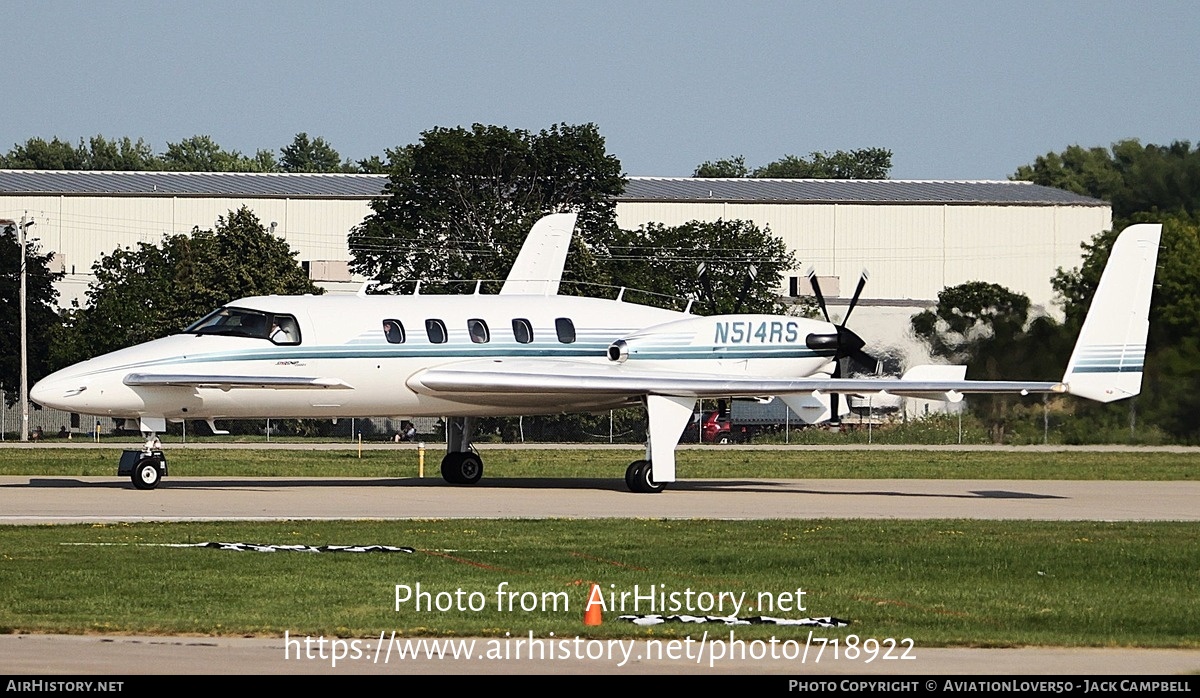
(478, 330)
(565, 329)
(393, 331)
(436, 330)
(522, 331)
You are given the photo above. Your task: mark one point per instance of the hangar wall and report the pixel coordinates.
(79, 229)
(911, 251)
(914, 238)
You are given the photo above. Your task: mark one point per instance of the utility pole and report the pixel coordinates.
(24, 338)
(10, 226)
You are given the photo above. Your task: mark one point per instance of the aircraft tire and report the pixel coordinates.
(631, 475)
(448, 470)
(462, 468)
(146, 475)
(643, 478)
(470, 469)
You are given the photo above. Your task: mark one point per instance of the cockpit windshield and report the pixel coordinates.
(242, 322)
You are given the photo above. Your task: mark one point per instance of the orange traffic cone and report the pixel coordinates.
(591, 610)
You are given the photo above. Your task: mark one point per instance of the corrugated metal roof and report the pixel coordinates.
(270, 185)
(875, 191)
(267, 185)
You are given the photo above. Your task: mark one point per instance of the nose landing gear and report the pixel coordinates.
(146, 468)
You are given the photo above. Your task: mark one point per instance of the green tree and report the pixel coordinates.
(195, 154)
(305, 155)
(202, 154)
(42, 323)
(865, 163)
(399, 162)
(988, 328)
(1145, 183)
(155, 290)
(727, 167)
(967, 315)
(123, 155)
(1084, 171)
(459, 204)
(1169, 380)
(39, 154)
(724, 266)
(1136, 178)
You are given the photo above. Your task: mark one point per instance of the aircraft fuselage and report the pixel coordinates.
(373, 350)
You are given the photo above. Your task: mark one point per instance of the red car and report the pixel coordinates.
(714, 428)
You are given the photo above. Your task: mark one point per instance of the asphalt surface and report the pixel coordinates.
(66, 499)
(48, 655)
(63, 499)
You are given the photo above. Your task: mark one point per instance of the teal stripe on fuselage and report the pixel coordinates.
(577, 350)
(470, 351)
(1131, 368)
(711, 353)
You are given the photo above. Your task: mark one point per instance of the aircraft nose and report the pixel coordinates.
(38, 392)
(52, 391)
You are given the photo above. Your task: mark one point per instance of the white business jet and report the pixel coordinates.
(528, 350)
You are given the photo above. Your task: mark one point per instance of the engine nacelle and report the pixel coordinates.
(768, 345)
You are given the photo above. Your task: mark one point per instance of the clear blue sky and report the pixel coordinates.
(957, 90)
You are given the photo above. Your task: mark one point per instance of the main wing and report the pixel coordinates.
(227, 382)
(565, 377)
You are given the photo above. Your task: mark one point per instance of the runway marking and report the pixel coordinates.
(269, 547)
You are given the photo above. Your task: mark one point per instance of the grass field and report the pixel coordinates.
(940, 583)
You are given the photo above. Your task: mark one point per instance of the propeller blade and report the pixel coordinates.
(848, 341)
(816, 287)
(835, 418)
(862, 282)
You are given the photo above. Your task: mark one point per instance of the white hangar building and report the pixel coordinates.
(83, 215)
(914, 237)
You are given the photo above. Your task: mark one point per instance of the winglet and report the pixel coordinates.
(1107, 362)
(540, 262)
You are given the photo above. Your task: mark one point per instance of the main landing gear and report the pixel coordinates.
(639, 477)
(462, 468)
(461, 465)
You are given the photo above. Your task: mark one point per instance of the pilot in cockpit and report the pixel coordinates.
(283, 331)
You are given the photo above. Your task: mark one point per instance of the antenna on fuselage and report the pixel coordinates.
(362, 290)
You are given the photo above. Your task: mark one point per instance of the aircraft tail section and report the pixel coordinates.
(539, 266)
(1107, 362)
